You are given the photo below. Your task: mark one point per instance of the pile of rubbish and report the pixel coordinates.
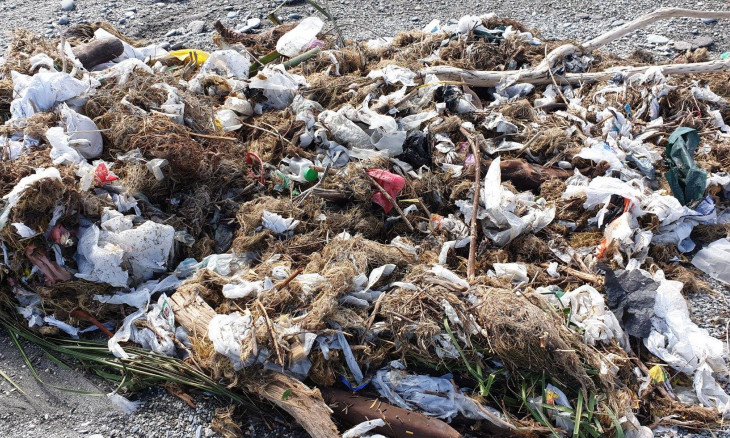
(463, 230)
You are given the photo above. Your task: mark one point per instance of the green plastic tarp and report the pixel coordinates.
(686, 179)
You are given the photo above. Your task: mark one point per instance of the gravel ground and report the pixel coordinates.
(172, 21)
(44, 412)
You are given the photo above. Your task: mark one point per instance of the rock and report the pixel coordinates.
(172, 32)
(176, 46)
(129, 14)
(709, 20)
(294, 17)
(617, 23)
(415, 19)
(63, 20)
(252, 23)
(584, 17)
(657, 39)
(122, 21)
(228, 8)
(702, 42)
(67, 5)
(232, 14)
(682, 46)
(197, 26)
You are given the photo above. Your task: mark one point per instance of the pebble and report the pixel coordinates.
(68, 5)
(129, 14)
(63, 20)
(702, 42)
(232, 14)
(197, 26)
(617, 23)
(294, 17)
(177, 45)
(122, 21)
(657, 39)
(415, 19)
(172, 32)
(709, 20)
(251, 23)
(682, 46)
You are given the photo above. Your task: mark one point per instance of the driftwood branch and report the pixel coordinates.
(540, 74)
(645, 20)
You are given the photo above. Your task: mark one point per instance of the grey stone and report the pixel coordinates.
(702, 42)
(682, 46)
(197, 26)
(617, 23)
(657, 39)
(232, 14)
(294, 16)
(415, 19)
(709, 20)
(68, 5)
(63, 20)
(172, 32)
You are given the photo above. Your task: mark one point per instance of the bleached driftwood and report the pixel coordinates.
(540, 73)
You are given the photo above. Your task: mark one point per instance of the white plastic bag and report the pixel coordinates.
(42, 92)
(234, 336)
(279, 86)
(83, 134)
(300, 38)
(715, 260)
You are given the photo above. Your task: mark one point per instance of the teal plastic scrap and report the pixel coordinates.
(686, 179)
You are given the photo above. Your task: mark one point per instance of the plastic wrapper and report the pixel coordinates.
(434, 396)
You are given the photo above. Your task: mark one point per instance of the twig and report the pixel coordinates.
(270, 327)
(299, 199)
(550, 71)
(471, 265)
(371, 320)
(276, 134)
(212, 137)
(289, 279)
(392, 201)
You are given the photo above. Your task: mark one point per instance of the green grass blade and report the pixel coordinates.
(6, 377)
(578, 415)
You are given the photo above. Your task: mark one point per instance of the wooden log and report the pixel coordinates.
(399, 423)
(98, 51)
(305, 405)
(190, 310)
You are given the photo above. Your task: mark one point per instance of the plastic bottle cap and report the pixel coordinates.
(311, 175)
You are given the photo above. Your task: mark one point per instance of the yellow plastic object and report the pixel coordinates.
(657, 374)
(189, 54)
